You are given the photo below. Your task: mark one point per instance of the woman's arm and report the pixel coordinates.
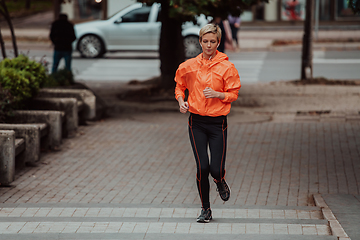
(210, 93)
(232, 84)
(184, 106)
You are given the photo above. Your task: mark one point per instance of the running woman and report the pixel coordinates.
(213, 83)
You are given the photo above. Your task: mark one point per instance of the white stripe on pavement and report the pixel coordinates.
(249, 70)
(336, 61)
(161, 227)
(46, 220)
(159, 212)
(120, 70)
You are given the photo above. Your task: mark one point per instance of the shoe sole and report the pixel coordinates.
(229, 195)
(203, 220)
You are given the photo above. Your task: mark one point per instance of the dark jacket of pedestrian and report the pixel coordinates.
(62, 34)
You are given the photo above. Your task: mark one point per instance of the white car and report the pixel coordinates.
(136, 27)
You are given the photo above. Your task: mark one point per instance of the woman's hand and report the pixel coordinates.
(210, 93)
(184, 107)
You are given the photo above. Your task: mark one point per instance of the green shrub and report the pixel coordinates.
(6, 100)
(62, 77)
(22, 77)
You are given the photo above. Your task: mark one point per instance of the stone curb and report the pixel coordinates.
(336, 229)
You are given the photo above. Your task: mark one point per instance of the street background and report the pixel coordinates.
(132, 175)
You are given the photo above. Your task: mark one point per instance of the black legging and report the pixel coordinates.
(207, 131)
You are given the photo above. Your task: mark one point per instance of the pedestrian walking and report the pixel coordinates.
(235, 23)
(226, 40)
(213, 83)
(62, 34)
(221, 46)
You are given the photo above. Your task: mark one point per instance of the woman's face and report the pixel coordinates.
(209, 44)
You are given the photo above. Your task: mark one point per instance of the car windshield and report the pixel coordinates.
(112, 15)
(137, 15)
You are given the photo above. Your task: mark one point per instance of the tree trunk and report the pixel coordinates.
(28, 4)
(13, 37)
(57, 9)
(306, 60)
(104, 9)
(172, 51)
(3, 50)
(8, 20)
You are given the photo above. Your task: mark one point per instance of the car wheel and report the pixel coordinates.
(91, 46)
(192, 46)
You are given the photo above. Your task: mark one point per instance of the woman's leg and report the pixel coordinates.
(56, 60)
(199, 143)
(68, 57)
(217, 145)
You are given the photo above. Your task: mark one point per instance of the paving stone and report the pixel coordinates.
(309, 229)
(29, 227)
(281, 229)
(295, 229)
(185, 228)
(224, 228)
(266, 228)
(238, 228)
(148, 168)
(155, 227)
(252, 228)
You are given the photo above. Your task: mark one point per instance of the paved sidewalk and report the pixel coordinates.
(133, 177)
(346, 209)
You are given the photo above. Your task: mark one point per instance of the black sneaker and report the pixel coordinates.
(205, 216)
(223, 189)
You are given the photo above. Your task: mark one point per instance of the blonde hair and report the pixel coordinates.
(210, 28)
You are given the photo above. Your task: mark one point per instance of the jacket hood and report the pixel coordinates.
(219, 57)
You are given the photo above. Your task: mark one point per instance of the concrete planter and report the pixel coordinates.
(54, 119)
(7, 157)
(82, 95)
(31, 134)
(67, 105)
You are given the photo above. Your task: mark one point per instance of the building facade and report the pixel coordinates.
(274, 12)
(294, 10)
(86, 10)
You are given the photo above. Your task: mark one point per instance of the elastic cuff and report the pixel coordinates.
(206, 206)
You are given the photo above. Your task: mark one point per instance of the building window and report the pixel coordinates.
(343, 10)
(292, 10)
(259, 12)
(325, 10)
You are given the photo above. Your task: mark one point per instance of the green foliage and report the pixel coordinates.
(354, 5)
(6, 101)
(22, 77)
(62, 77)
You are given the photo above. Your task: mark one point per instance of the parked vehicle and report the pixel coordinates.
(136, 27)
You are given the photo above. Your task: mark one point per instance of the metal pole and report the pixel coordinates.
(306, 59)
(317, 19)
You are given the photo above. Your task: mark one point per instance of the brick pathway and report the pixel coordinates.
(142, 166)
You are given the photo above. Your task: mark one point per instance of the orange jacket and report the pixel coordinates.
(218, 73)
